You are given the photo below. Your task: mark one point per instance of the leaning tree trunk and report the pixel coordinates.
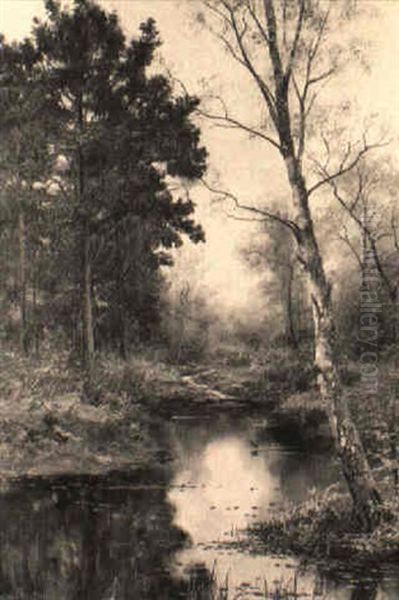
(122, 270)
(355, 466)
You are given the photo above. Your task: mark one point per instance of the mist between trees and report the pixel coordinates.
(99, 159)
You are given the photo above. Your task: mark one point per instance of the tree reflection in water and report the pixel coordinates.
(365, 592)
(90, 539)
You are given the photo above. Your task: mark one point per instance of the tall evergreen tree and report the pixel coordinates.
(123, 132)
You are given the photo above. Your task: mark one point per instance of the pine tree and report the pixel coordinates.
(121, 133)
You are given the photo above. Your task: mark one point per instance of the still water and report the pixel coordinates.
(138, 538)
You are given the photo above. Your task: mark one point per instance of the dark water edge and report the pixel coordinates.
(172, 532)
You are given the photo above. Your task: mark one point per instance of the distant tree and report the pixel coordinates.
(275, 251)
(371, 211)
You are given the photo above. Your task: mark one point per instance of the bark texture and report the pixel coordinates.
(290, 325)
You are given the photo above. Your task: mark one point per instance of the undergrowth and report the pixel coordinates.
(323, 527)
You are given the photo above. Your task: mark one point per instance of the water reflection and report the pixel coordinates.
(231, 473)
(87, 540)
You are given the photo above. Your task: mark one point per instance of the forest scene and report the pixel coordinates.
(199, 292)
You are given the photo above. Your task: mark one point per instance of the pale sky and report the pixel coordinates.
(244, 167)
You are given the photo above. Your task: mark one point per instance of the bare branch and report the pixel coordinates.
(219, 13)
(319, 37)
(362, 224)
(291, 225)
(258, 23)
(231, 49)
(344, 167)
(231, 123)
(302, 121)
(308, 83)
(285, 23)
(321, 76)
(227, 26)
(226, 120)
(394, 232)
(327, 148)
(246, 219)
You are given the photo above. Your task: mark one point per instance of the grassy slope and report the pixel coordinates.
(46, 428)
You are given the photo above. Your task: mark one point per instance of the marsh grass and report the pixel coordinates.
(323, 528)
(204, 584)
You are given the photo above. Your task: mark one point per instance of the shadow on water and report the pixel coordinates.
(89, 539)
(119, 537)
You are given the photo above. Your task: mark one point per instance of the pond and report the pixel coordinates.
(178, 536)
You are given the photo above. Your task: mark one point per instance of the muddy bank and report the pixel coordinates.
(52, 423)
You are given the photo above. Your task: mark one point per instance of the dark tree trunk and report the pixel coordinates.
(123, 345)
(86, 284)
(393, 432)
(86, 302)
(122, 273)
(23, 339)
(123, 333)
(35, 313)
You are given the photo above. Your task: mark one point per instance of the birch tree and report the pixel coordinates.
(284, 47)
